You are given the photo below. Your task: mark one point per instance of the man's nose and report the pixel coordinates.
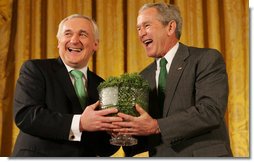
(75, 38)
(142, 32)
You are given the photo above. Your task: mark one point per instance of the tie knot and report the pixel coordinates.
(77, 74)
(163, 62)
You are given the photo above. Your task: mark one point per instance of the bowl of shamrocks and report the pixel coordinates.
(123, 93)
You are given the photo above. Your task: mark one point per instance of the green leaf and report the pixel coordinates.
(132, 89)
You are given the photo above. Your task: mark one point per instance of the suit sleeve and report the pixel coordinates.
(210, 94)
(31, 113)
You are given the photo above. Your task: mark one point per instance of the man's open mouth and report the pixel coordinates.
(147, 42)
(74, 49)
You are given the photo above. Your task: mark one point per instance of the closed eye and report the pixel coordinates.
(147, 26)
(83, 34)
(67, 33)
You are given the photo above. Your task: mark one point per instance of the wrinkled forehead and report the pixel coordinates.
(77, 24)
(147, 15)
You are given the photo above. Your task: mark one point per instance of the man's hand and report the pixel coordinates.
(142, 125)
(97, 120)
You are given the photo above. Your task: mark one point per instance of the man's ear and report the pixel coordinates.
(96, 45)
(171, 27)
(58, 43)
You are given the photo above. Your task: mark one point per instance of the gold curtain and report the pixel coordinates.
(28, 30)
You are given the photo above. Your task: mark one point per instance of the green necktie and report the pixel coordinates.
(79, 87)
(162, 81)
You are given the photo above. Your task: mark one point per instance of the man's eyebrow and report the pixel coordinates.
(145, 22)
(83, 31)
(67, 30)
(139, 25)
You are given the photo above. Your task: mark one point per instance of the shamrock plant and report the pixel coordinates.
(125, 91)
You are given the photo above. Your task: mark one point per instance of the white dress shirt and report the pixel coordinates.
(169, 57)
(75, 134)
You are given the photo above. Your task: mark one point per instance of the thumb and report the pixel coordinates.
(94, 106)
(139, 109)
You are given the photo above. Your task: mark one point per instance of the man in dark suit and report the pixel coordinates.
(186, 114)
(52, 119)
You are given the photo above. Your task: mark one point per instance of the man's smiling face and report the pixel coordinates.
(153, 35)
(77, 42)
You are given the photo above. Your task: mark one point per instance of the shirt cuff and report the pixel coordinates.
(75, 134)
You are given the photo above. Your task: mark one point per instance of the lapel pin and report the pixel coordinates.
(180, 68)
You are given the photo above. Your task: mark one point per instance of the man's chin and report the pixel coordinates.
(72, 64)
(150, 54)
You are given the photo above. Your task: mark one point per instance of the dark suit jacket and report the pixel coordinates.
(192, 121)
(44, 104)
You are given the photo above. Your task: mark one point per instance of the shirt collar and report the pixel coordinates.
(169, 55)
(83, 70)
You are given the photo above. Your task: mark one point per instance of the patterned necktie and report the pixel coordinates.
(79, 87)
(162, 81)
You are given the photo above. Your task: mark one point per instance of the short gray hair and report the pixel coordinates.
(95, 27)
(167, 13)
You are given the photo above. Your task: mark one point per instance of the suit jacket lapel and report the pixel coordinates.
(149, 75)
(92, 84)
(65, 81)
(175, 72)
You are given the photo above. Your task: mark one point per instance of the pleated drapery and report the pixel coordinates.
(28, 30)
